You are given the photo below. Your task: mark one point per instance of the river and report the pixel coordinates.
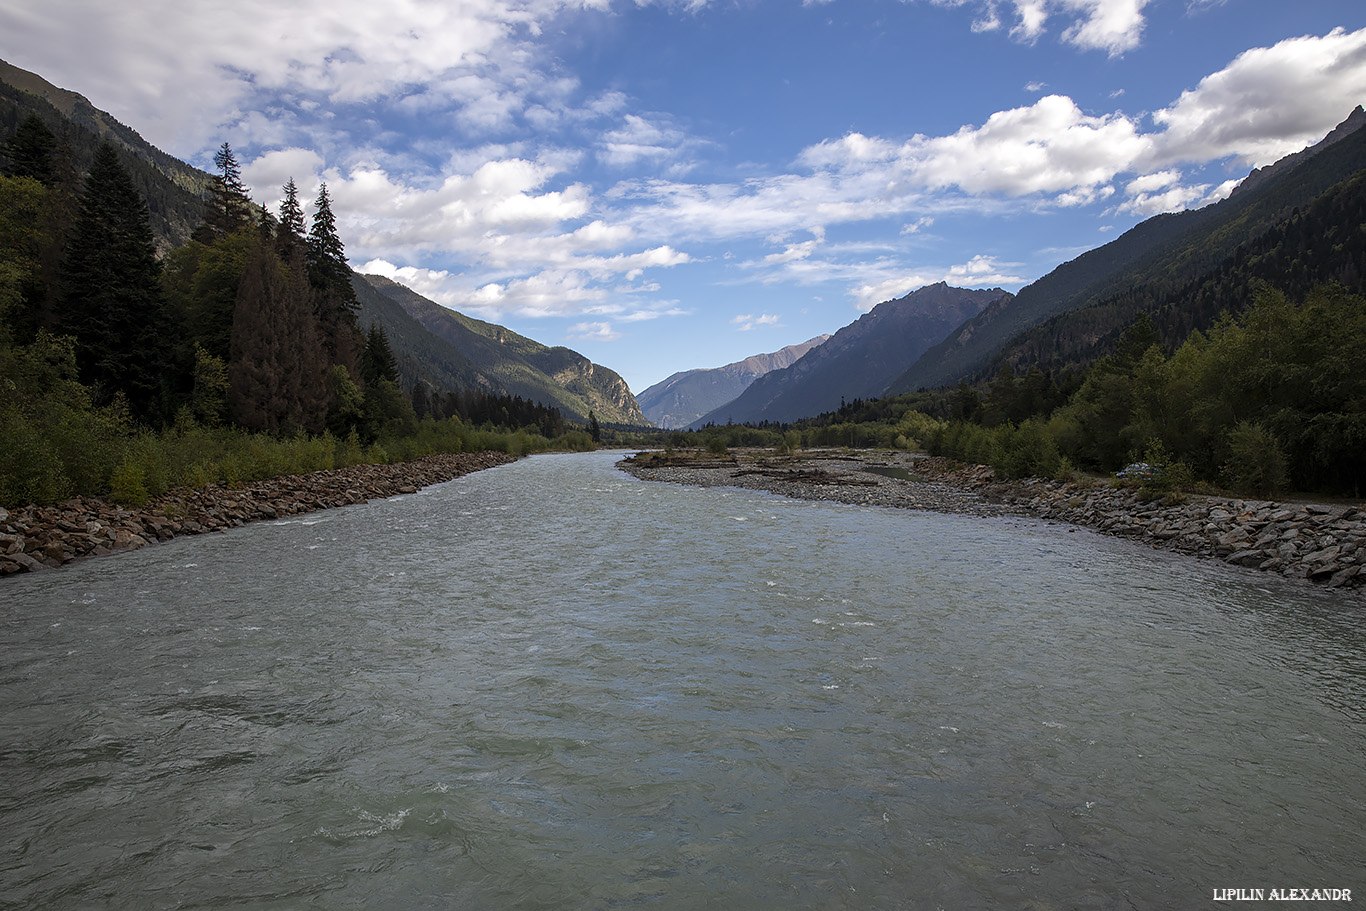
(551, 685)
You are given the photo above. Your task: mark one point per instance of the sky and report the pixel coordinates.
(671, 185)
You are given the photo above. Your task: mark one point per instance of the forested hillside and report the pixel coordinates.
(174, 191)
(1174, 249)
(237, 353)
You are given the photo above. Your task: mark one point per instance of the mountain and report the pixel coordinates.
(500, 360)
(482, 356)
(174, 190)
(859, 360)
(684, 397)
(1172, 248)
(1320, 243)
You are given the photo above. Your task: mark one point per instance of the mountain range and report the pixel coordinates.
(1293, 224)
(858, 361)
(684, 397)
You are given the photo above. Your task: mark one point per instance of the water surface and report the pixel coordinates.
(551, 685)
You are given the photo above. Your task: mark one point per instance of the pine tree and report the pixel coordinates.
(277, 371)
(112, 295)
(377, 362)
(334, 297)
(228, 208)
(327, 266)
(31, 152)
(291, 231)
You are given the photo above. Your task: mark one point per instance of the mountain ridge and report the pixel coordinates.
(502, 360)
(1173, 246)
(859, 360)
(683, 397)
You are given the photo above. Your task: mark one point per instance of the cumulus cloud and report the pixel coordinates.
(1268, 102)
(650, 139)
(473, 56)
(1113, 26)
(1050, 146)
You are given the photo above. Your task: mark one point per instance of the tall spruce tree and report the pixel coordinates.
(334, 297)
(111, 293)
(290, 234)
(277, 371)
(228, 208)
(31, 152)
(377, 361)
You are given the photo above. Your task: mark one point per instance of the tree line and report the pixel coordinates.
(249, 328)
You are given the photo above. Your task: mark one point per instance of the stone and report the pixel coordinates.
(1343, 576)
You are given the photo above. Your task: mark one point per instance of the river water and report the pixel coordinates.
(551, 685)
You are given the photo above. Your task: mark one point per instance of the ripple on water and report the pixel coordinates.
(552, 685)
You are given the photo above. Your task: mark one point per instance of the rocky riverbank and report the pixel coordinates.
(1323, 543)
(41, 537)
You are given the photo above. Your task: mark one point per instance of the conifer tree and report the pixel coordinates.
(31, 152)
(228, 208)
(334, 297)
(277, 372)
(327, 266)
(377, 361)
(291, 231)
(112, 294)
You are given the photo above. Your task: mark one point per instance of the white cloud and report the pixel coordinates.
(1113, 26)
(1050, 146)
(981, 271)
(597, 332)
(644, 139)
(472, 56)
(747, 321)
(1267, 103)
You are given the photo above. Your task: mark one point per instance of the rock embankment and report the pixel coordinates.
(1324, 543)
(40, 537)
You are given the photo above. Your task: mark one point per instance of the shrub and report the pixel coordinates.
(128, 484)
(1257, 462)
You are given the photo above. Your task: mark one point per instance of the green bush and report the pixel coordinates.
(1256, 463)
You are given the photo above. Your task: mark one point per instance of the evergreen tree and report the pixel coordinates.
(112, 295)
(334, 297)
(377, 362)
(277, 373)
(327, 268)
(291, 231)
(422, 401)
(228, 208)
(31, 152)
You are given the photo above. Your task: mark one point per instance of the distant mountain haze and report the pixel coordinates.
(860, 360)
(684, 397)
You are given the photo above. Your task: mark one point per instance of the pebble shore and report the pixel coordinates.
(1323, 543)
(41, 537)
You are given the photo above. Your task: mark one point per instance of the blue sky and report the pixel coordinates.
(669, 185)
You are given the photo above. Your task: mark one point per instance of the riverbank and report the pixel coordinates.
(1323, 543)
(42, 537)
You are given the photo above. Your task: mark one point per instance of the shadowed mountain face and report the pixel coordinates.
(686, 396)
(860, 360)
(503, 361)
(1164, 252)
